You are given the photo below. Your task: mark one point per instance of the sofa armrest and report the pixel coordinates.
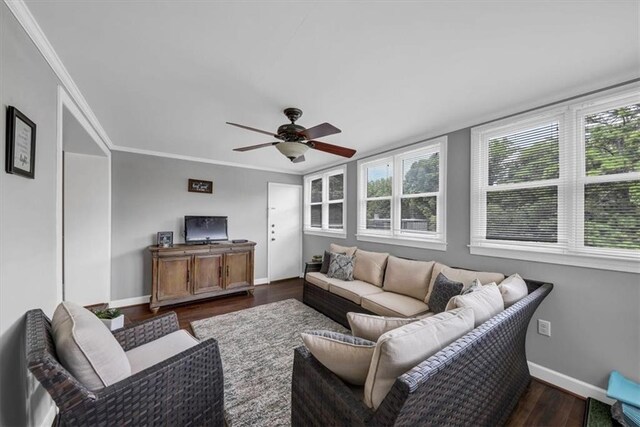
(136, 334)
(310, 267)
(186, 388)
(319, 397)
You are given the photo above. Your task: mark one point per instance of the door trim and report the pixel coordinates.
(65, 101)
(270, 186)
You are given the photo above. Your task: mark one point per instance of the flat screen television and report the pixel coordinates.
(204, 229)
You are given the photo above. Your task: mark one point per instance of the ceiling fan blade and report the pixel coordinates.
(298, 159)
(254, 129)
(319, 131)
(253, 147)
(330, 148)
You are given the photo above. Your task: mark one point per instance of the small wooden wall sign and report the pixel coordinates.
(200, 186)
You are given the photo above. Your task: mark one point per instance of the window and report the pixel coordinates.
(325, 207)
(401, 197)
(561, 185)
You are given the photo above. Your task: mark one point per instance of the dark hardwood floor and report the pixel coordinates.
(541, 405)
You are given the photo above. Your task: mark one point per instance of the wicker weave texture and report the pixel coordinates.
(475, 381)
(184, 390)
(331, 305)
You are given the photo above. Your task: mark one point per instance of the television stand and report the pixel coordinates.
(184, 273)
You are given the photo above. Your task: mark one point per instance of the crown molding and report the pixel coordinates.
(199, 159)
(33, 30)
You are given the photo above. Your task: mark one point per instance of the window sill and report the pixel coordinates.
(400, 241)
(555, 256)
(326, 233)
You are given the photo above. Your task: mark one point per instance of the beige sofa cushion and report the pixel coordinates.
(408, 277)
(371, 327)
(318, 279)
(353, 290)
(401, 349)
(486, 302)
(464, 276)
(87, 348)
(154, 352)
(513, 289)
(392, 304)
(369, 266)
(346, 356)
(347, 250)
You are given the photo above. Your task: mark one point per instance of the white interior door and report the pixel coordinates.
(284, 231)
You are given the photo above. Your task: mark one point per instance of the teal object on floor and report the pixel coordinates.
(623, 389)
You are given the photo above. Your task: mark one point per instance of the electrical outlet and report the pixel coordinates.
(544, 327)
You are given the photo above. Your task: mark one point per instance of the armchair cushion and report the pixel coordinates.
(401, 349)
(154, 352)
(87, 348)
(408, 277)
(346, 356)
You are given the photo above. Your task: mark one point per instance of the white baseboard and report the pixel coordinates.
(51, 415)
(568, 383)
(130, 301)
(261, 281)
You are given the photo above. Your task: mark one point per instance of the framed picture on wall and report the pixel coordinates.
(165, 239)
(200, 186)
(21, 144)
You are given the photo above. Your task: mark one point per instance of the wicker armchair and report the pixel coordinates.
(475, 381)
(184, 390)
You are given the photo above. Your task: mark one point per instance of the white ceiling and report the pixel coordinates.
(165, 76)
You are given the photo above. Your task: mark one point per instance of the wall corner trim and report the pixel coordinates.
(568, 383)
(34, 31)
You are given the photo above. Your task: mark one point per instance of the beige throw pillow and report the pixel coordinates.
(485, 303)
(371, 327)
(342, 249)
(369, 266)
(346, 356)
(513, 289)
(401, 349)
(86, 348)
(466, 277)
(408, 277)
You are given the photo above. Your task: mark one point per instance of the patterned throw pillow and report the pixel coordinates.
(326, 259)
(443, 290)
(341, 267)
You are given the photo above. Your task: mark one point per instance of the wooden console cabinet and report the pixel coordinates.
(185, 273)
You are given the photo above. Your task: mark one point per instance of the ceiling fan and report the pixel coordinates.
(295, 140)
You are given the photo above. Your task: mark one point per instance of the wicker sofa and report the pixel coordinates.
(477, 380)
(186, 389)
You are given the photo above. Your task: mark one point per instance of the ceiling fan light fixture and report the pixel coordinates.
(292, 150)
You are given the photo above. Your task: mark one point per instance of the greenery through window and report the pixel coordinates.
(325, 201)
(400, 195)
(565, 179)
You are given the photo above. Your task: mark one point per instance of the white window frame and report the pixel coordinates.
(396, 236)
(569, 249)
(325, 230)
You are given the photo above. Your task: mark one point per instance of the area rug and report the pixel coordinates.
(256, 347)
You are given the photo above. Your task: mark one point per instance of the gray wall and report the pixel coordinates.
(27, 218)
(149, 194)
(594, 314)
